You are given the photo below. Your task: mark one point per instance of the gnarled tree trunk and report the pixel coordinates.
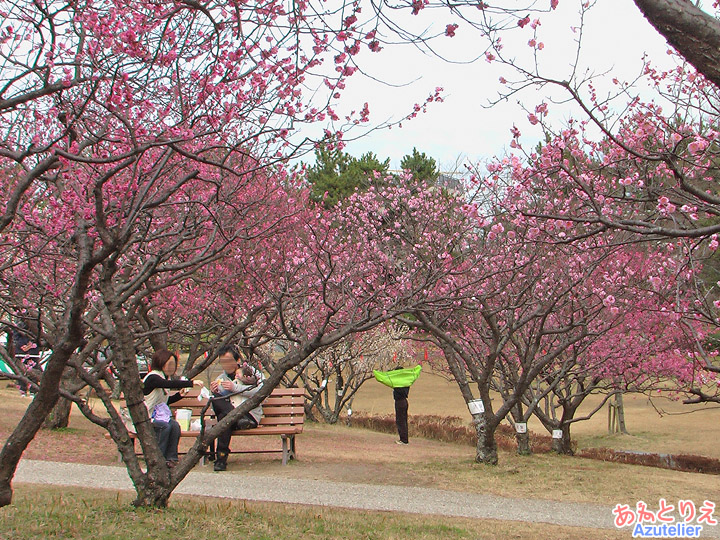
(689, 30)
(523, 441)
(564, 444)
(486, 449)
(59, 417)
(48, 394)
(44, 401)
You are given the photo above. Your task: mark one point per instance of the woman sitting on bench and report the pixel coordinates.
(156, 388)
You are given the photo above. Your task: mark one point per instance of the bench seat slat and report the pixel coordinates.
(281, 420)
(275, 421)
(261, 430)
(188, 403)
(271, 430)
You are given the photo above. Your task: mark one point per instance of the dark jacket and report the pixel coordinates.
(401, 393)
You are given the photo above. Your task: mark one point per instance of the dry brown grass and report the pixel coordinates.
(343, 454)
(682, 429)
(81, 442)
(356, 455)
(448, 429)
(452, 429)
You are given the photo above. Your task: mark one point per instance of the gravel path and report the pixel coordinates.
(318, 492)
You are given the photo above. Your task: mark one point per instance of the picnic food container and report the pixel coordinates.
(183, 418)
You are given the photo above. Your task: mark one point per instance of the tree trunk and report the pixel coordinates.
(689, 30)
(563, 445)
(157, 498)
(44, 401)
(48, 393)
(117, 390)
(158, 341)
(329, 416)
(309, 415)
(155, 491)
(59, 417)
(154, 486)
(523, 441)
(620, 412)
(486, 450)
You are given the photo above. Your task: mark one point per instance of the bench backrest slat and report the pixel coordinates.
(283, 411)
(283, 401)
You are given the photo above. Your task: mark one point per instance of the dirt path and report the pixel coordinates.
(346, 495)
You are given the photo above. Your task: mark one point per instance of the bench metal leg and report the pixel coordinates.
(288, 448)
(284, 449)
(293, 452)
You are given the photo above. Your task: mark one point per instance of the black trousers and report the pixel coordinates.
(222, 408)
(401, 419)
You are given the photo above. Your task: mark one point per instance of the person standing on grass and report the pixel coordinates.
(400, 395)
(239, 384)
(399, 379)
(156, 389)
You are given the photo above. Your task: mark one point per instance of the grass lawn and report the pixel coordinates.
(42, 512)
(345, 454)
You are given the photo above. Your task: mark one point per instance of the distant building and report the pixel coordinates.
(450, 183)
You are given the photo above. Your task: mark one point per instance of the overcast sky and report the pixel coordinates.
(615, 38)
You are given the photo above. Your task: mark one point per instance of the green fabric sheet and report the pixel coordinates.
(398, 378)
(4, 368)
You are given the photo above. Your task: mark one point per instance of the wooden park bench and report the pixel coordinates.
(283, 416)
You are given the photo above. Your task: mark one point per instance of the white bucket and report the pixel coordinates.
(183, 417)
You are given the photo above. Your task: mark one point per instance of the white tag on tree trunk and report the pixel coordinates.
(339, 391)
(349, 412)
(557, 434)
(476, 406)
(521, 427)
(324, 384)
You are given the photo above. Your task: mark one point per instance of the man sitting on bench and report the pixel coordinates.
(247, 381)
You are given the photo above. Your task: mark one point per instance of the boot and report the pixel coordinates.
(209, 452)
(221, 462)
